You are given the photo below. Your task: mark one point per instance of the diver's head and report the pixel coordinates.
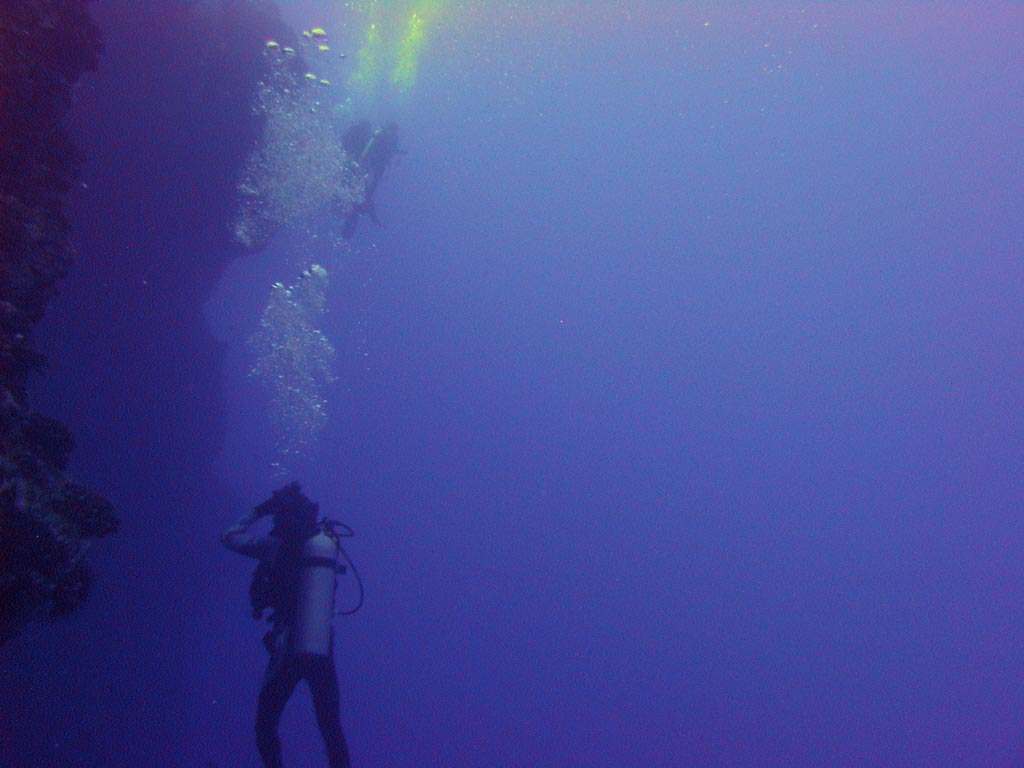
(294, 514)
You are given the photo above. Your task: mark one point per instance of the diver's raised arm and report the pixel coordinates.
(236, 537)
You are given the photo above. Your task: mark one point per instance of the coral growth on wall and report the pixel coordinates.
(46, 520)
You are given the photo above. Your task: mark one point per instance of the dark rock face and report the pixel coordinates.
(170, 138)
(44, 47)
(46, 520)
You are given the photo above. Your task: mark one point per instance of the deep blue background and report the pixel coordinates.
(678, 410)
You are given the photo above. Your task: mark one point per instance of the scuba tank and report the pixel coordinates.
(315, 609)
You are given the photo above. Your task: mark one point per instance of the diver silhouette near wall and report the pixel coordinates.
(373, 152)
(295, 578)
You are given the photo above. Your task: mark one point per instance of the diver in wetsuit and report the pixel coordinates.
(300, 641)
(373, 151)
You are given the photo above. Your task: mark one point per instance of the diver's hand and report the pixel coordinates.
(243, 524)
(253, 515)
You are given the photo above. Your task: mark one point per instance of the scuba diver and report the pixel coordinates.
(295, 578)
(373, 151)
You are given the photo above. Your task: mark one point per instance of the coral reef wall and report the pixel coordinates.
(46, 520)
(164, 126)
(159, 134)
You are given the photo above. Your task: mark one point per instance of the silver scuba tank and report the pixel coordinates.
(315, 610)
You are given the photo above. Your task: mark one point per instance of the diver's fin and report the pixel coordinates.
(371, 211)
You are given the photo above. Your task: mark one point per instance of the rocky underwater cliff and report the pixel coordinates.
(46, 519)
(167, 146)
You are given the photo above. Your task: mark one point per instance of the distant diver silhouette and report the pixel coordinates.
(373, 151)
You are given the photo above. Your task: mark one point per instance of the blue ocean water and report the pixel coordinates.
(677, 410)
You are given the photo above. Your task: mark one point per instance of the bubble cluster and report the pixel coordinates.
(298, 169)
(294, 361)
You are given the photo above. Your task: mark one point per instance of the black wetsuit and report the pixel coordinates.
(284, 672)
(286, 668)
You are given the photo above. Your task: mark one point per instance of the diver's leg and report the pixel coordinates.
(323, 684)
(283, 674)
